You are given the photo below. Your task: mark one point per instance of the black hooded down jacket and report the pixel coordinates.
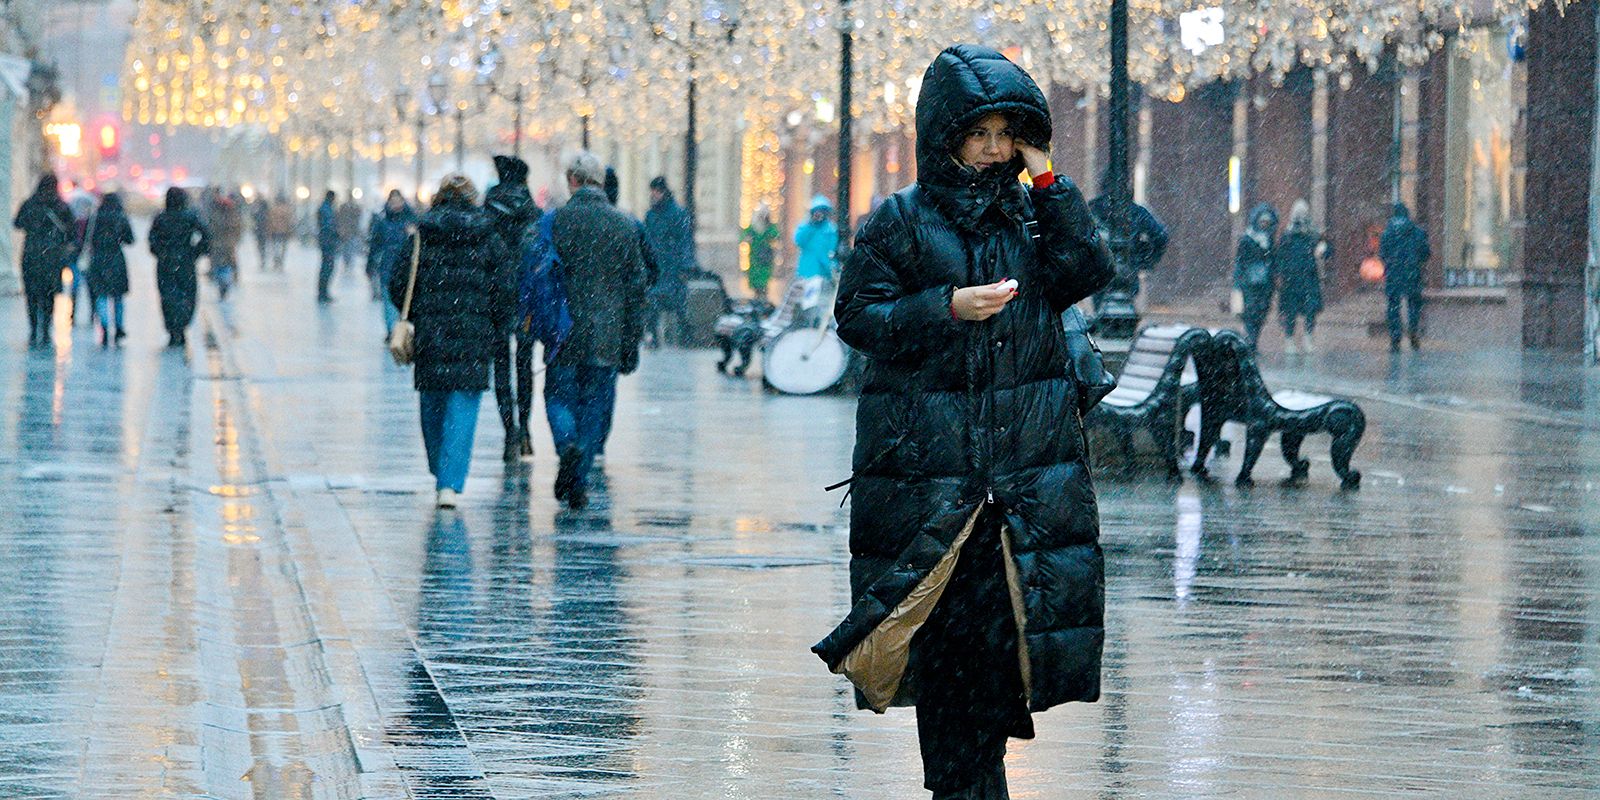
(509, 203)
(958, 414)
(463, 288)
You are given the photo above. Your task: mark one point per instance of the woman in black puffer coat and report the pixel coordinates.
(177, 239)
(108, 267)
(976, 575)
(463, 287)
(49, 243)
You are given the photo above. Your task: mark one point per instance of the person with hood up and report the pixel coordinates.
(976, 575)
(327, 244)
(463, 288)
(511, 208)
(669, 233)
(50, 241)
(108, 267)
(1301, 253)
(177, 239)
(818, 241)
(387, 235)
(1404, 250)
(1255, 270)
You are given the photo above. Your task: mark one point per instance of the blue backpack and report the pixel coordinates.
(541, 297)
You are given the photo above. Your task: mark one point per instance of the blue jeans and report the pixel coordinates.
(391, 314)
(110, 310)
(449, 421)
(577, 401)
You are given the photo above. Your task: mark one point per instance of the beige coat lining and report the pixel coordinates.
(878, 663)
(1014, 584)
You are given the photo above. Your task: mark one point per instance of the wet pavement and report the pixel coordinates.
(221, 575)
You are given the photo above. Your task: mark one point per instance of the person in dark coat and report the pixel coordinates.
(1404, 250)
(50, 241)
(328, 241)
(1255, 270)
(1147, 237)
(347, 220)
(462, 290)
(387, 236)
(109, 232)
(1301, 253)
(177, 239)
(976, 575)
(511, 207)
(604, 274)
(670, 235)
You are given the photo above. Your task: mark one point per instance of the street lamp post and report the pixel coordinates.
(691, 143)
(846, 155)
(516, 122)
(1118, 319)
(461, 137)
(691, 139)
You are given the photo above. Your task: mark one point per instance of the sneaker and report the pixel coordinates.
(1288, 347)
(1307, 343)
(1416, 341)
(567, 474)
(447, 498)
(121, 334)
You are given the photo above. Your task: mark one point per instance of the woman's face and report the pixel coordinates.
(990, 141)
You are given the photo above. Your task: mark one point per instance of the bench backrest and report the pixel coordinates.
(1157, 363)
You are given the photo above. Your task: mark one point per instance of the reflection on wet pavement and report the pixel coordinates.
(220, 575)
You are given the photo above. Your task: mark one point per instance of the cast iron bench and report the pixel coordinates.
(1231, 390)
(1151, 392)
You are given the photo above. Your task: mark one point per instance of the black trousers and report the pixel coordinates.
(1257, 304)
(330, 256)
(178, 288)
(515, 401)
(1413, 301)
(968, 677)
(41, 306)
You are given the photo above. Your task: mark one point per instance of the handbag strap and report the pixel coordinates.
(411, 282)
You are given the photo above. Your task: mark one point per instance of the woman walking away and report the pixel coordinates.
(387, 236)
(976, 575)
(462, 287)
(1301, 254)
(108, 268)
(177, 239)
(762, 237)
(50, 241)
(1255, 272)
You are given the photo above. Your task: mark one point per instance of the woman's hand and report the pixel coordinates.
(1036, 160)
(977, 303)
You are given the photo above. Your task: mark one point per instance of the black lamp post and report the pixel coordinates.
(691, 141)
(846, 150)
(1117, 318)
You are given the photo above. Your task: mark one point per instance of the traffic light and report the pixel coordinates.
(110, 142)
